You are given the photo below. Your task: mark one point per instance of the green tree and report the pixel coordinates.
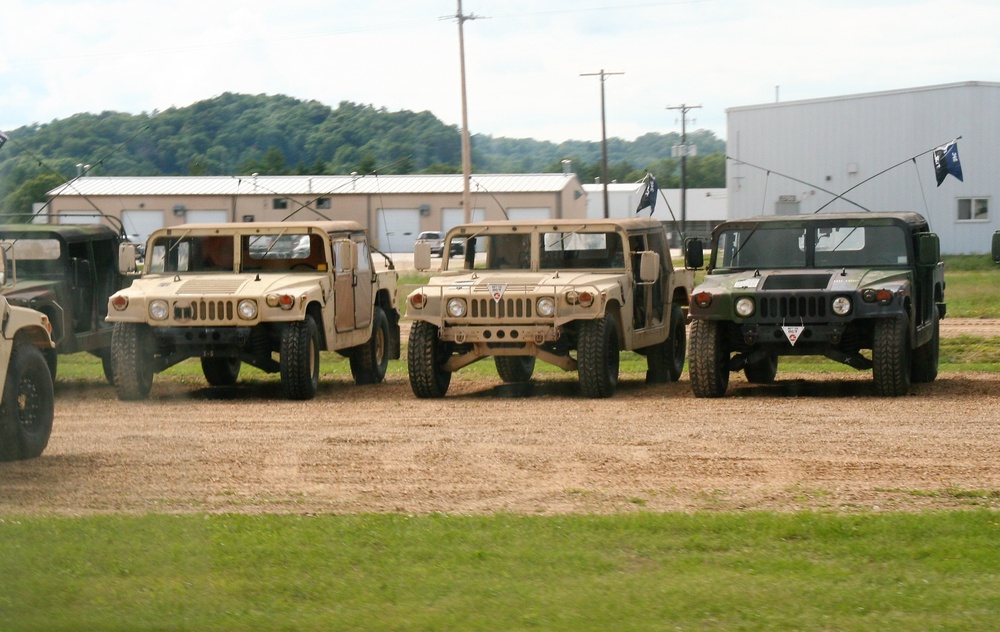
(17, 207)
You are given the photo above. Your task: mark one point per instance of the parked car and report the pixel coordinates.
(67, 272)
(435, 239)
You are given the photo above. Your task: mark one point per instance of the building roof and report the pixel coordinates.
(867, 95)
(312, 185)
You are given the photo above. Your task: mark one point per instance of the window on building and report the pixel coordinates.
(323, 202)
(280, 203)
(973, 209)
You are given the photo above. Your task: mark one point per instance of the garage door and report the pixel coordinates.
(452, 217)
(397, 229)
(206, 217)
(528, 214)
(138, 224)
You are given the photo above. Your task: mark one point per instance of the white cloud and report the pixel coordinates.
(524, 59)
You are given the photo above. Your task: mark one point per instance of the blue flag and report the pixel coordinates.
(946, 161)
(648, 195)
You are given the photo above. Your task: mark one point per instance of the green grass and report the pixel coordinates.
(395, 572)
(641, 571)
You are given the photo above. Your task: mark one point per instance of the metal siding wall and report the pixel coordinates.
(815, 140)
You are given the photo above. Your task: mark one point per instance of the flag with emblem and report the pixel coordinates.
(946, 162)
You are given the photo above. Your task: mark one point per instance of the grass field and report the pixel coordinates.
(641, 571)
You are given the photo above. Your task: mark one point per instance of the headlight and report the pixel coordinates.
(745, 307)
(545, 306)
(841, 306)
(247, 309)
(456, 307)
(158, 310)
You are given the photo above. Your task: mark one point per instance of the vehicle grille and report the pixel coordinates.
(793, 307)
(204, 311)
(504, 308)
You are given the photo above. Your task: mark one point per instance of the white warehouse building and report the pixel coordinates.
(797, 156)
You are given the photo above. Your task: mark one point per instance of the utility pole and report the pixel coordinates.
(682, 151)
(604, 136)
(466, 143)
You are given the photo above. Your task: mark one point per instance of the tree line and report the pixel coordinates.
(240, 134)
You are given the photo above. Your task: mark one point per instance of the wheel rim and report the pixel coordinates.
(379, 346)
(28, 404)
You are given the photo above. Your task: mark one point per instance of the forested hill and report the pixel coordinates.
(275, 134)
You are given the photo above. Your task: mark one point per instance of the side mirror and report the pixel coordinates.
(649, 266)
(346, 253)
(127, 258)
(422, 256)
(3, 265)
(996, 247)
(930, 250)
(694, 254)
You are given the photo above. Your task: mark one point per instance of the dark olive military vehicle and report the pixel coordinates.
(67, 272)
(864, 289)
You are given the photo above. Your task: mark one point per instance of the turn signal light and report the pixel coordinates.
(119, 302)
(703, 299)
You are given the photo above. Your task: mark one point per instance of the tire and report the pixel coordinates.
(598, 356)
(221, 371)
(27, 409)
(107, 365)
(299, 362)
(132, 360)
(515, 368)
(370, 360)
(709, 362)
(763, 371)
(665, 361)
(425, 355)
(924, 367)
(891, 357)
(52, 361)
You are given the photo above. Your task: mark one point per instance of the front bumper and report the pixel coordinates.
(526, 334)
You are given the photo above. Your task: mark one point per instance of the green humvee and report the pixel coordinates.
(864, 289)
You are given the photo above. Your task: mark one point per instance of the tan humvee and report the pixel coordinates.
(570, 293)
(240, 292)
(26, 401)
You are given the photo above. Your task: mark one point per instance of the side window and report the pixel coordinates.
(973, 209)
(364, 256)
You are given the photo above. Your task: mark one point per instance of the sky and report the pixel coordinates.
(531, 65)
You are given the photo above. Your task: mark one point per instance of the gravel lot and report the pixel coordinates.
(816, 441)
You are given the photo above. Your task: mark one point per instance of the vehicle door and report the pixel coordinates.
(364, 284)
(344, 284)
(649, 311)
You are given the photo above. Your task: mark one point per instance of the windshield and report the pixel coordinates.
(216, 253)
(823, 246)
(547, 251)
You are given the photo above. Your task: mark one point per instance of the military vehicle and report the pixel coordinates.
(26, 402)
(828, 284)
(572, 293)
(67, 272)
(241, 292)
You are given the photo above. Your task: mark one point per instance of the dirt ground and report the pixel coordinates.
(816, 441)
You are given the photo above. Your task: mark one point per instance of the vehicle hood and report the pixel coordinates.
(250, 284)
(26, 292)
(840, 280)
(538, 282)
